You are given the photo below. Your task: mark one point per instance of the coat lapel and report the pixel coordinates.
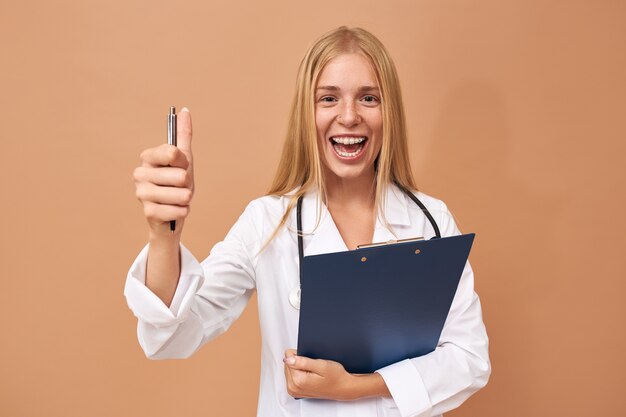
(325, 238)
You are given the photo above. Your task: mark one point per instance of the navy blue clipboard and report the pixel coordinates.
(371, 307)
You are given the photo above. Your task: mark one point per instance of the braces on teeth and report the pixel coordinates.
(348, 141)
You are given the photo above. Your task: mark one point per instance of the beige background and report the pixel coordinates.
(516, 118)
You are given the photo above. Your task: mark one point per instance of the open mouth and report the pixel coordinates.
(348, 146)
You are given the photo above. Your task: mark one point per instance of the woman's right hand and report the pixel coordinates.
(164, 181)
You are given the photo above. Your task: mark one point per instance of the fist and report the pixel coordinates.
(164, 181)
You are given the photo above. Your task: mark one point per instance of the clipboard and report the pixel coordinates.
(371, 307)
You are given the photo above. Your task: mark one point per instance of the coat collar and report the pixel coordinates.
(325, 238)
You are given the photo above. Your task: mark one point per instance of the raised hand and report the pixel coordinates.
(164, 181)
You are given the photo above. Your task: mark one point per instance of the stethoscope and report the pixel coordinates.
(294, 294)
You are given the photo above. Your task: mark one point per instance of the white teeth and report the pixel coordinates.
(348, 154)
(348, 140)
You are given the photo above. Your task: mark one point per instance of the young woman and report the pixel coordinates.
(345, 158)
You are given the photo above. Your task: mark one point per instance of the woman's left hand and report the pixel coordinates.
(317, 378)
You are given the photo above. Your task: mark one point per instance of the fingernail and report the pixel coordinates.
(184, 109)
(291, 360)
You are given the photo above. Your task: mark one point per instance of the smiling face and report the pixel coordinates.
(348, 118)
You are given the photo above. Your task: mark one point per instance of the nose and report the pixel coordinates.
(348, 115)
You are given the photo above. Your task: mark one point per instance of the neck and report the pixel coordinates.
(351, 192)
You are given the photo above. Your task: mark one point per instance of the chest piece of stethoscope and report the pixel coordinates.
(294, 298)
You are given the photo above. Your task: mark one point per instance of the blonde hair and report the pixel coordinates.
(300, 163)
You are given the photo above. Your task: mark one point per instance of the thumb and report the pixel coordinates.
(184, 132)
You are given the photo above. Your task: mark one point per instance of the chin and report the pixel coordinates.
(347, 173)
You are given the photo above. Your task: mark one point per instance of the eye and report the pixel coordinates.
(370, 99)
(327, 99)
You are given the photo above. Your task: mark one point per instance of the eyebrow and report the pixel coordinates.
(335, 88)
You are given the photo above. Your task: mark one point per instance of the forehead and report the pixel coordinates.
(348, 69)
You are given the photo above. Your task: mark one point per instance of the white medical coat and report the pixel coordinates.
(212, 294)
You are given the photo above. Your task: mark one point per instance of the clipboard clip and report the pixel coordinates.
(389, 242)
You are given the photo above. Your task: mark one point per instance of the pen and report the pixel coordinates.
(171, 140)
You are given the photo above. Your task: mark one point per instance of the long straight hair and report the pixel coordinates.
(300, 169)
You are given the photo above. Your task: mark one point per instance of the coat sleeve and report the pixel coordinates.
(209, 297)
(443, 379)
